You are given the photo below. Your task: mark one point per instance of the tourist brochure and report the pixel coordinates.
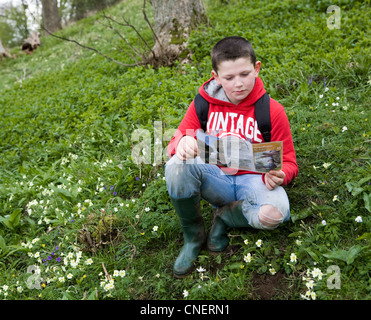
(233, 152)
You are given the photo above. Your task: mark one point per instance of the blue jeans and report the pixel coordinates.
(185, 179)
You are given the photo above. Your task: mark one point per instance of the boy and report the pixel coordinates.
(242, 198)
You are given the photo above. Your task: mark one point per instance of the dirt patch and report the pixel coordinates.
(267, 286)
(231, 250)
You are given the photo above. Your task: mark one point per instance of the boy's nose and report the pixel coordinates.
(238, 83)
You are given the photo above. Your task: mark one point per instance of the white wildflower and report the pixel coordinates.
(293, 257)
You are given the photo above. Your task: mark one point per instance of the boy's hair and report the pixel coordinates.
(231, 48)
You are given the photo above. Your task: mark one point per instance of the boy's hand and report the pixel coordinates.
(274, 179)
(187, 148)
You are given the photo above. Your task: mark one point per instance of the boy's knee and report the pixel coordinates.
(269, 216)
(181, 178)
(175, 169)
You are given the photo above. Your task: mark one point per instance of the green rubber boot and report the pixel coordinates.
(189, 213)
(228, 216)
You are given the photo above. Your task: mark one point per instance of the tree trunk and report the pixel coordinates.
(52, 21)
(173, 23)
(3, 52)
(31, 43)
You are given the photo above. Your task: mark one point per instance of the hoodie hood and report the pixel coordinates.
(215, 94)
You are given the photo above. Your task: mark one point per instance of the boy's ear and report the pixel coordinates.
(258, 65)
(215, 75)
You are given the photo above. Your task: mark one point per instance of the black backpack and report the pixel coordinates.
(262, 114)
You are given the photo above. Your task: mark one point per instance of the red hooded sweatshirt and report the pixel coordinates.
(228, 117)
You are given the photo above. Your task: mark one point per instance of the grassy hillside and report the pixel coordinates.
(75, 208)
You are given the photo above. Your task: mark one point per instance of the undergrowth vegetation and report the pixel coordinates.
(80, 220)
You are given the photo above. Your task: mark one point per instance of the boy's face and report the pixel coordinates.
(237, 77)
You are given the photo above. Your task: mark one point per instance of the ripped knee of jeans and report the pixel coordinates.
(269, 216)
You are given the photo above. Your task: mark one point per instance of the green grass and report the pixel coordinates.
(67, 117)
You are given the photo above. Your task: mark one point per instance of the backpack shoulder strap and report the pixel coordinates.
(202, 110)
(263, 117)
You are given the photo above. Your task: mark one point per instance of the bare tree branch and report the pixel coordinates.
(156, 55)
(128, 24)
(135, 50)
(93, 49)
(90, 48)
(155, 38)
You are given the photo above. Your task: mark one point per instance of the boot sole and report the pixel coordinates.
(182, 276)
(216, 253)
(177, 276)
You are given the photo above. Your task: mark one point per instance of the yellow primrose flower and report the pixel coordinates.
(326, 165)
(313, 295)
(248, 257)
(293, 257)
(259, 243)
(122, 273)
(310, 284)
